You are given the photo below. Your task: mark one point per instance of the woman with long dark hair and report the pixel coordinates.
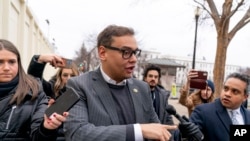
(23, 101)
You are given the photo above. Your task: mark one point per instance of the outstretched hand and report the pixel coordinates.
(157, 131)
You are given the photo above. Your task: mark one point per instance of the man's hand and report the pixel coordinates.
(157, 131)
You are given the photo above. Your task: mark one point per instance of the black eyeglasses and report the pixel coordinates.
(126, 52)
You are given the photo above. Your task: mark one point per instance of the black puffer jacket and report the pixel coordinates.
(24, 122)
(36, 69)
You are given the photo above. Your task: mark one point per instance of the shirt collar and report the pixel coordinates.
(111, 81)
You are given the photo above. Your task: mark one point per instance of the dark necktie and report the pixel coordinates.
(153, 98)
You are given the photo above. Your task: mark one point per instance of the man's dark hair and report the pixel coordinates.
(105, 37)
(242, 77)
(151, 67)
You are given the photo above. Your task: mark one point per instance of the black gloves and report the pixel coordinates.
(190, 131)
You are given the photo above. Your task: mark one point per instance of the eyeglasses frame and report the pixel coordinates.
(136, 52)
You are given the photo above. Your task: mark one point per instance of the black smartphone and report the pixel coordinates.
(200, 81)
(64, 102)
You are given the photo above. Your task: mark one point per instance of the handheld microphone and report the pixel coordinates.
(171, 110)
(189, 129)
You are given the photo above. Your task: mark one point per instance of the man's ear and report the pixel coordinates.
(102, 53)
(246, 96)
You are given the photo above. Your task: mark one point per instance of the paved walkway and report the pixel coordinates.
(181, 110)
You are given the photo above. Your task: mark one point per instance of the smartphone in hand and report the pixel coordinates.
(199, 82)
(64, 102)
(67, 63)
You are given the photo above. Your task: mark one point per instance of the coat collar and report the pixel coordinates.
(163, 102)
(222, 114)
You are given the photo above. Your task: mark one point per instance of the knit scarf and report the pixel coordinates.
(7, 87)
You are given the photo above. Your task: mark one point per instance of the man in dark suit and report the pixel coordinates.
(214, 119)
(114, 106)
(160, 96)
(152, 75)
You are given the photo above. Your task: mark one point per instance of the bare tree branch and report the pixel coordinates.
(236, 9)
(214, 11)
(204, 7)
(244, 20)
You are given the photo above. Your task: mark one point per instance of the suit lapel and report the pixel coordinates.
(104, 94)
(244, 115)
(136, 98)
(223, 115)
(162, 105)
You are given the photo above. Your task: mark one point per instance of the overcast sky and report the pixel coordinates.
(166, 26)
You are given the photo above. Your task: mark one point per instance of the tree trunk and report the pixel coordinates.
(220, 62)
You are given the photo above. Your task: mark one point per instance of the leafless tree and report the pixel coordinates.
(81, 55)
(88, 57)
(225, 34)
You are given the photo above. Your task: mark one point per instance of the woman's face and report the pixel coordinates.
(206, 93)
(66, 74)
(8, 66)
